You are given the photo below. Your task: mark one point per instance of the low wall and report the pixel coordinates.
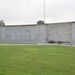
(59, 32)
(73, 33)
(39, 33)
(35, 34)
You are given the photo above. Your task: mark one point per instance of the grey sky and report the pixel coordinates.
(30, 11)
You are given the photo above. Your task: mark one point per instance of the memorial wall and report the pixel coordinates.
(39, 33)
(33, 33)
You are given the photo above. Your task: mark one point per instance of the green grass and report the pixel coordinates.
(37, 60)
(15, 43)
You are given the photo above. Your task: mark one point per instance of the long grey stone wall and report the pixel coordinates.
(59, 32)
(73, 33)
(35, 34)
(39, 33)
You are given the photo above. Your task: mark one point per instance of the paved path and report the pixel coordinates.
(34, 44)
(56, 44)
(15, 44)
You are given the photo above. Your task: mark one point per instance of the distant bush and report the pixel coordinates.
(51, 41)
(2, 23)
(59, 42)
(40, 22)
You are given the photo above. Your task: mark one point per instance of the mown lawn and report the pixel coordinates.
(15, 43)
(37, 60)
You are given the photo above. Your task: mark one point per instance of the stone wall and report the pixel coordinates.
(73, 33)
(35, 34)
(39, 33)
(59, 32)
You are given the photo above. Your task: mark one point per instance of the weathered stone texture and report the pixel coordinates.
(39, 33)
(73, 33)
(61, 31)
(35, 34)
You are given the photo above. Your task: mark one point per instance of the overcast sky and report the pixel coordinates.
(30, 11)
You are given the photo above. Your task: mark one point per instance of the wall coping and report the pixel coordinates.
(36, 24)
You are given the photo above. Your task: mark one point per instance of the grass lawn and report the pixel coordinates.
(15, 43)
(37, 60)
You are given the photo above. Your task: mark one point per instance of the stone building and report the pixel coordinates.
(64, 32)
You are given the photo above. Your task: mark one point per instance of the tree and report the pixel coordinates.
(2, 23)
(40, 22)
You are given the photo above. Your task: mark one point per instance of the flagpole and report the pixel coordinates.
(44, 11)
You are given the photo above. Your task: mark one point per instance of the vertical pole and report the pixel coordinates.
(44, 11)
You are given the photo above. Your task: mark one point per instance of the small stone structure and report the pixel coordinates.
(64, 32)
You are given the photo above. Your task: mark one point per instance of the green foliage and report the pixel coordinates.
(37, 60)
(59, 42)
(40, 22)
(2, 23)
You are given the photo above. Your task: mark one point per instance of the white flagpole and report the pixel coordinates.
(44, 11)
